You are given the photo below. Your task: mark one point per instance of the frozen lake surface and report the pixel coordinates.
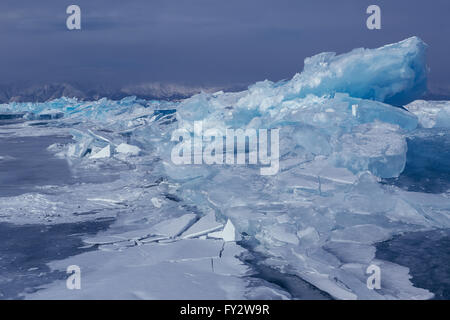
(426, 254)
(27, 163)
(356, 164)
(27, 249)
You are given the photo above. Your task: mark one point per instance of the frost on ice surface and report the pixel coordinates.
(342, 130)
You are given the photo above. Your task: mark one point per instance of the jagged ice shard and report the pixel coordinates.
(395, 74)
(342, 129)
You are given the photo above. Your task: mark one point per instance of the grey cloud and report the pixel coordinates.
(202, 42)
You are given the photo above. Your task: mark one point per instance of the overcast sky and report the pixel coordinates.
(203, 42)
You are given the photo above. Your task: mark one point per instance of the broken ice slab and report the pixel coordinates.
(431, 114)
(174, 227)
(103, 153)
(203, 226)
(352, 252)
(153, 239)
(141, 234)
(118, 246)
(175, 251)
(134, 235)
(320, 167)
(183, 250)
(400, 78)
(377, 147)
(395, 282)
(155, 272)
(228, 234)
(170, 228)
(128, 149)
(365, 234)
(279, 233)
(104, 240)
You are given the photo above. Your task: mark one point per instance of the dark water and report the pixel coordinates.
(427, 162)
(28, 164)
(26, 249)
(298, 288)
(426, 254)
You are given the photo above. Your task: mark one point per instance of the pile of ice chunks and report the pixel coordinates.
(343, 125)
